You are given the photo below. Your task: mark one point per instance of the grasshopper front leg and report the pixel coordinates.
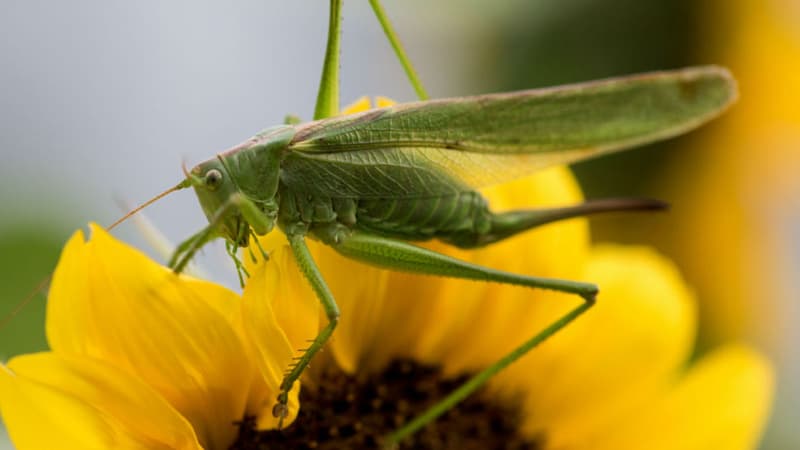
(186, 250)
(256, 219)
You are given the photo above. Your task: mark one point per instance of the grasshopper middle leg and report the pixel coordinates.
(309, 268)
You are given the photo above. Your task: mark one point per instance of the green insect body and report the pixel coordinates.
(365, 184)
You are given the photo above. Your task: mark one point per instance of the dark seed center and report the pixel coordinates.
(356, 412)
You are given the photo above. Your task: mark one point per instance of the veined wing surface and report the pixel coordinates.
(451, 145)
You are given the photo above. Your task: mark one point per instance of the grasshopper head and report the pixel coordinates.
(215, 188)
(247, 174)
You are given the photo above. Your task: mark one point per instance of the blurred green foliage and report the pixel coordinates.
(28, 253)
(584, 40)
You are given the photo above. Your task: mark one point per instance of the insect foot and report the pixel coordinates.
(280, 411)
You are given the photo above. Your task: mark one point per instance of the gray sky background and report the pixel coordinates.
(104, 99)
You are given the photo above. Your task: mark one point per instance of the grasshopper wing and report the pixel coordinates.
(451, 145)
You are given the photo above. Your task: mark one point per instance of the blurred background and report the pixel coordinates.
(101, 102)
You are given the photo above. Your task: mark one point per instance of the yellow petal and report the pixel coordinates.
(383, 102)
(178, 334)
(722, 402)
(752, 155)
(280, 294)
(280, 314)
(615, 357)
(387, 315)
(52, 402)
(554, 251)
(359, 290)
(359, 105)
(296, 308)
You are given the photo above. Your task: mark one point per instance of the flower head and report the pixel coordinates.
(140, 357)
(616, 378)
(144, 358)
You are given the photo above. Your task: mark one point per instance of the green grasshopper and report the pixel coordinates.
(368, 183)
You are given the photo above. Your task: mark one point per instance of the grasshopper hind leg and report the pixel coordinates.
(399, 255)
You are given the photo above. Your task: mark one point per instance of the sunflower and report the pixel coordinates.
(741, 180)
(143, 358)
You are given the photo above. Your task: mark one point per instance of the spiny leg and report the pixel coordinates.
(400, 255)
(310, 270)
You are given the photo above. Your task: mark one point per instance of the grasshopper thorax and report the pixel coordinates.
(248, 173)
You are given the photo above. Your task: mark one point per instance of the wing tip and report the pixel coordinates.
(720, 75)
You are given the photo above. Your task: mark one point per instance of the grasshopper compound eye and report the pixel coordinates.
(213, 179)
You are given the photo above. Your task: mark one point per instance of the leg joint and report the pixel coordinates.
(590, 297)
(333, 318)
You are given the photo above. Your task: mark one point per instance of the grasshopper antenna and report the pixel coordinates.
(182, 185)
(43, 284)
